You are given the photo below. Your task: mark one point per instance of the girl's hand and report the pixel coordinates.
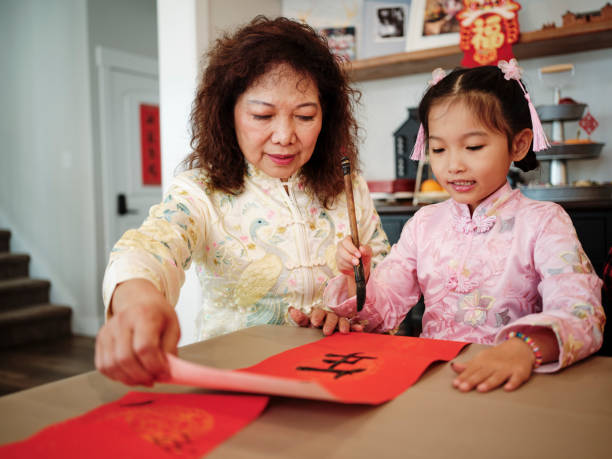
(131, 347)
(347, 256)
(509, 363)
(320, 318)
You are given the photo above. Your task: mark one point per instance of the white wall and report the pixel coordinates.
(46, 176)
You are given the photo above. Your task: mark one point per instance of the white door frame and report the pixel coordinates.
(107, 60)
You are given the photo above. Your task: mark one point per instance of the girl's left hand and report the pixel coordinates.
(509, 363)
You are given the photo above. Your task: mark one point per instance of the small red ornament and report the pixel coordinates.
(588, 123)
(488, 30)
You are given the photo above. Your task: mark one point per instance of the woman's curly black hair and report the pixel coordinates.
(234, 63)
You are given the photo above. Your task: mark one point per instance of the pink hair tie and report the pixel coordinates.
(418, 151)
(512, 71)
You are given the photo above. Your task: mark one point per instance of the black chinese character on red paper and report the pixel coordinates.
(340, 359)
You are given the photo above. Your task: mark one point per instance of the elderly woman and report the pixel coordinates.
(259, 210)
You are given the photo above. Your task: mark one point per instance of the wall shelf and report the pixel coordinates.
(539, 43)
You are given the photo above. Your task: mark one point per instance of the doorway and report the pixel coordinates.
(129, 135)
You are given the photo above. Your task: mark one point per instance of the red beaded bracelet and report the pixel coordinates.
(532, 344)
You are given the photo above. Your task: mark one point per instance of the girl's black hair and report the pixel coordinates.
(499, 104)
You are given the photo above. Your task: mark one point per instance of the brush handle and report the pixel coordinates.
(350, 204)
(350, 201)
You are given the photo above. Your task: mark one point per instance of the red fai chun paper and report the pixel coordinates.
(352, 368)
(144, 425)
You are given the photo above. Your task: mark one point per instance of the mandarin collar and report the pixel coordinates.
(498, 197)
(258, 175)
(484, 216)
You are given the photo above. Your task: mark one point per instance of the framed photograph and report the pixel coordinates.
(341, 41)
(385, 27)
(433, 23)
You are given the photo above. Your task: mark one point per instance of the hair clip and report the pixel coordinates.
(437, 75)
(418, 151)
(512, 71)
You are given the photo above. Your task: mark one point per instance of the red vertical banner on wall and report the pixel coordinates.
(150, 144)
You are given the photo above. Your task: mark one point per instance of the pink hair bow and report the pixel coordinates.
(437, 75)
(418, 151)
(512, 71)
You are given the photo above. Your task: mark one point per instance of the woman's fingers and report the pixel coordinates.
(106, 357)
(131, 347)
(328, 321)
(126, 360)
(148, 348)
(171, 335)
(317, 317)
(331, 320)
(299, 317)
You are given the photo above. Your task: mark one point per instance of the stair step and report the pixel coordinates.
(23, 291)
(5, 237)
(34, 323)
(14, 265)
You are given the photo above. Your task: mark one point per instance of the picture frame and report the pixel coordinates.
(342, 41)
(433, 24)
(384, 27)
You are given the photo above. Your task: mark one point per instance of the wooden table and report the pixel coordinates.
(568, 414)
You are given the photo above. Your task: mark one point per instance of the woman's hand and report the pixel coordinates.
(347, 256)
(320, 318)
(131, 347)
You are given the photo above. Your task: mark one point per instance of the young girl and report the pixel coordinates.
(494, 267)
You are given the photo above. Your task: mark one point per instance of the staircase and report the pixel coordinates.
(26, 315)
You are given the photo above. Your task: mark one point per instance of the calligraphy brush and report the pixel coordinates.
(350, 204)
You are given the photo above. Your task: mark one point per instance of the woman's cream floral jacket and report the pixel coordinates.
(256, 254)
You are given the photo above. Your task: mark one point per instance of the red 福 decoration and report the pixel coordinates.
(488, 28)
(149, 141)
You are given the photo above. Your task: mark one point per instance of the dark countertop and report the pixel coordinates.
(403, 207)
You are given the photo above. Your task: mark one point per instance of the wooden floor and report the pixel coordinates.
(35, 364)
